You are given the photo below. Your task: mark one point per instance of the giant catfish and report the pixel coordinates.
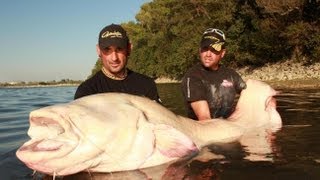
(116, 132)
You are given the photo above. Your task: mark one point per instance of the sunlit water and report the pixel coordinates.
(293, 154)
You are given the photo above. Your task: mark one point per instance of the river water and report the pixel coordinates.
(294, 152)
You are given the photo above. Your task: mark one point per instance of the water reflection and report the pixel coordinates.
(295, 146)
(174, 171)
(259, 145)
(172, 98)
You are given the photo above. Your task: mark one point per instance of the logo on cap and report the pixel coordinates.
(114, 34)
(213, 42)
(217, 46)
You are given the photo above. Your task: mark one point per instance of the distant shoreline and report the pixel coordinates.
(36, 86)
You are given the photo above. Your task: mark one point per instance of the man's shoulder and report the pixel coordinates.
(232, 74)
(93, 78)
(89, 86)
(137, 76)
(227, 69)
(194, 68)
(194, 71)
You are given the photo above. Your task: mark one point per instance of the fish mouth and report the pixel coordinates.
(50, 138)
(54, 140)
(44, 133)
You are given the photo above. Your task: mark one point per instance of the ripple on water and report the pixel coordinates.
(15, 106)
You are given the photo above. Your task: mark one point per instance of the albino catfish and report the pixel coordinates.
(117, 132)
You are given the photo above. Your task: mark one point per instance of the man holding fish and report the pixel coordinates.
(208, 87)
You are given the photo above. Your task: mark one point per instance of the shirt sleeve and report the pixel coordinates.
(240, 83)
(193, 89)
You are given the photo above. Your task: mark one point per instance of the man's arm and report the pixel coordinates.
(201, 109)
(152, 93)
(83, 90)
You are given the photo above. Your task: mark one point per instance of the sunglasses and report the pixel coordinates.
(213, 30)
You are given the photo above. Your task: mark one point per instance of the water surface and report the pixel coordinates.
(294, 154)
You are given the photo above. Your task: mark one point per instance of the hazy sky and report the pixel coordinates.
(44, 40)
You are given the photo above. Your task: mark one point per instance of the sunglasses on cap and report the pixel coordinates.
(217, 31)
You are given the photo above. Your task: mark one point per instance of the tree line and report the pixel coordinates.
(166, 33)
(40, 83)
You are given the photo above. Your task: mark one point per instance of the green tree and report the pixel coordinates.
(96, 68)
(166, 33)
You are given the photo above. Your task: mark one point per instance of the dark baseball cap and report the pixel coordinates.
(113, 35)
(213, 38)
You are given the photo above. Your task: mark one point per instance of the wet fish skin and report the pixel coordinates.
(116, 132)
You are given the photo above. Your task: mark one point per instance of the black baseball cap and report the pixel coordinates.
(213, 38)
(113, 35)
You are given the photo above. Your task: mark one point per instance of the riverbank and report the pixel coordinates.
(285, 75)
(37, 86)
(278, 75)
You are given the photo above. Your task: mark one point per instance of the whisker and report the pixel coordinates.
(54, 175)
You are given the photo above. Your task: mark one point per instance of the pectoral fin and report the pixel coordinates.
(172, 143)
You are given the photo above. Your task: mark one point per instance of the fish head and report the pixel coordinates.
(102, 133)
(72, 137)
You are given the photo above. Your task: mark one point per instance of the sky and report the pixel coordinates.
(45, 40)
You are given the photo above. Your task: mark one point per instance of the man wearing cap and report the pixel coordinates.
(114, 49)
(209, 88)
